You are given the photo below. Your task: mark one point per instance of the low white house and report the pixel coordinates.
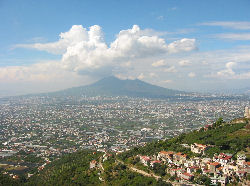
(222, 180)
(241, 159)
(198, 148)
(92, 164)
(145, 160)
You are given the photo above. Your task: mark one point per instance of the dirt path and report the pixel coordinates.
(147, 174)
(144, 173)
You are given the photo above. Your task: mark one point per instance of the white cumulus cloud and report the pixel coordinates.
(159, 63)
(183, 45)
(228, 71)
(84, 50)
(171, 69)
(75, 35)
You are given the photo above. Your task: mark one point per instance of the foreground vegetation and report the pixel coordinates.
(74, 169)
(224, 137)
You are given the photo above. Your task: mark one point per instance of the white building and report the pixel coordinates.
(92, 164)
(145, 160)
(247, 112)
(198, 148)
(222, 180)
(241, 159)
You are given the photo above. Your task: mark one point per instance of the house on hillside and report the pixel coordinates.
(223, 180)
(241, 174)
(180, 157)
(153, 163)
(145, 160)
(92, 164)
(199, 148)
(166, 156)
(230, 169)
(214, 166)
(187, 176)
(246, 166)
(247, 113)
(176, 172)
(223, 158)
(192, 169)
(241, 158)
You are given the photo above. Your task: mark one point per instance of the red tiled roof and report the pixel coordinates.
(193, 167)
(220, 168)
(177, 169)
(215, 163)
(187, 174)
(247, 163)
(242, 172)
(146, 158)
(156, 161)
(227, 158)
(166, 152)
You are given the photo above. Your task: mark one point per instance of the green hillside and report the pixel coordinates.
(224, 137)
(71, 169)
(74, 169)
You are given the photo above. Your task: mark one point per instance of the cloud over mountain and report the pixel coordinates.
(85, 51)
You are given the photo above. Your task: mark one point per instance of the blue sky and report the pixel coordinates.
(217, 29)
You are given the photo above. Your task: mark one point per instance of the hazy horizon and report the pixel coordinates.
(200, 46)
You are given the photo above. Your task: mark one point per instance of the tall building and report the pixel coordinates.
(247, 113)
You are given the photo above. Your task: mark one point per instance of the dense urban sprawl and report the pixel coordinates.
(38, 129)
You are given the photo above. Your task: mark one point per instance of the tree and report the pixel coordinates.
(203, 180)
(219, 122)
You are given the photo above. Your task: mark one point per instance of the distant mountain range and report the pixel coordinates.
(112, 86)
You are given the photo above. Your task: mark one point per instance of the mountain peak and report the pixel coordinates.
(113, 86)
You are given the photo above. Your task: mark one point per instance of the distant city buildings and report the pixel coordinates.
(48, 127)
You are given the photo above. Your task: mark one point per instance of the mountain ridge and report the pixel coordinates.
(112, 86)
